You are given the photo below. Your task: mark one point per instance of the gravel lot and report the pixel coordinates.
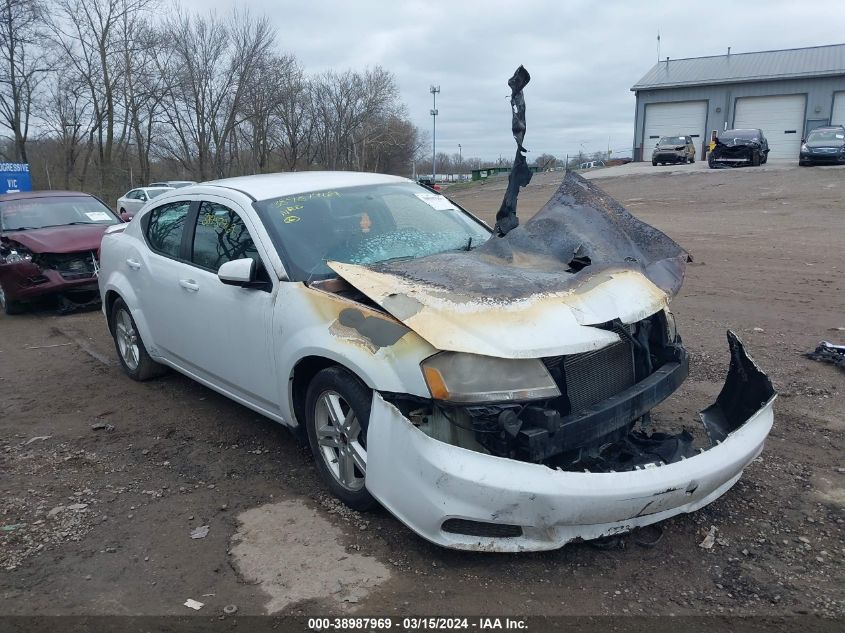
(104, 479)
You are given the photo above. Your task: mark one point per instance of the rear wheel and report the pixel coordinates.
(337, 415)
(10, 306)
(134, 359)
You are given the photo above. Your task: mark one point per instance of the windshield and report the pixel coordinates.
(671, 140)
(38, 213)
(837, 136)
(750, 135)
(365, 225)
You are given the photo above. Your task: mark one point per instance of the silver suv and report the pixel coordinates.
(673, 149)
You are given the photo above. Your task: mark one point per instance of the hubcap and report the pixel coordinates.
(339, 440)
(127, 340)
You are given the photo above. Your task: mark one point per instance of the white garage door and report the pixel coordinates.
(780, 118)
(674, 119)
(837, 117)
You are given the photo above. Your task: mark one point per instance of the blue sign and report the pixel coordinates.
(14, 177)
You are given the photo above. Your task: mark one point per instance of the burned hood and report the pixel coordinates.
(582, 261)
(60, 239)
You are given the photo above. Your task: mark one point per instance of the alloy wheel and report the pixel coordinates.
(127, 340)
(339, 440)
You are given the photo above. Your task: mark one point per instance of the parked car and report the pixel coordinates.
(823, 145)
(673, 149)
(131, 202)
(739, 147)
(487, 390)
(49, 242)
(174, 184)
(591, 164)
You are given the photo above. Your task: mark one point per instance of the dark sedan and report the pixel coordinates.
(739, 147)
(824, 145)
(49, 243)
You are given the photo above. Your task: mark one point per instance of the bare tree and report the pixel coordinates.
(23, 66)
(211, 62)
(89, 36)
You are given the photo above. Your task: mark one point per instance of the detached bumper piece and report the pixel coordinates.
(466, 499)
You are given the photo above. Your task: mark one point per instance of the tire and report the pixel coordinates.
(654, 163)
(131, 352)
(339, 444)
(692, 159)
(755, 159)
(10, 306)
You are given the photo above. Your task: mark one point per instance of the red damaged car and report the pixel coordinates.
(49, 245)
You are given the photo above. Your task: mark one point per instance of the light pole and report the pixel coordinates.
(434, 90)
(460, 162)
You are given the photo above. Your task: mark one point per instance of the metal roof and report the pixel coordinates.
(792, 63)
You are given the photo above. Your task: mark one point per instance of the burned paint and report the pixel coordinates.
(582, 260)
(379, 331)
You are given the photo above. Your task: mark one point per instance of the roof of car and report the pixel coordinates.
(264, 186)
(22, 195)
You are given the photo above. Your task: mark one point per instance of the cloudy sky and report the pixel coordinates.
(583, 56)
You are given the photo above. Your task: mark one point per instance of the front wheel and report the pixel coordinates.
(654, 163)
(131, 352)
(10, 306)
(755, 159)
(337, 415)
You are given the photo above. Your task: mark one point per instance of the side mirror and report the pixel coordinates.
(803, 140)
(238, 272)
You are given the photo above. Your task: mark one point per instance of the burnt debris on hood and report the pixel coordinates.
(520, 175)
(579, 233)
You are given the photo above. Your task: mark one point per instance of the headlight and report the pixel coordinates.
(671, 327)
(458, 377)
(16, 255)
(804, 147)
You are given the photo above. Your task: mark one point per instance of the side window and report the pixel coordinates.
(220, 236)
(166, 223)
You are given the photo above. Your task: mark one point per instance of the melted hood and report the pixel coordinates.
(582, 261)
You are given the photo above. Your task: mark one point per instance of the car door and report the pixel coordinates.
(224, 331)
(155, 272)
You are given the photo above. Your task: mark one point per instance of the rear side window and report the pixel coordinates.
(166, 224)
(220, 236)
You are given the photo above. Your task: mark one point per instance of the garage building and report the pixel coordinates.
(785, 93)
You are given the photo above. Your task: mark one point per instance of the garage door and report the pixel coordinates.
(780, 118)
(837, 117)
(674, 119)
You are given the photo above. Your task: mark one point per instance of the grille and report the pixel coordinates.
(478, 528)
(592, 377)
(71, 265)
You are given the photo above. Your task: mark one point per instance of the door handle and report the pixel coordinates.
(189, 284)
(134, 264)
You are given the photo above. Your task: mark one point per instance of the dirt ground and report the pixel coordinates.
(104, 479)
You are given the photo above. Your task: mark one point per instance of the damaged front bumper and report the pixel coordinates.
(465, 499)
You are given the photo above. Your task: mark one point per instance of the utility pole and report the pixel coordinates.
(434, 90)
(460, 161)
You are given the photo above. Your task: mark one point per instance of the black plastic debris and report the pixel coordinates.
(520, 175)
(828, 353)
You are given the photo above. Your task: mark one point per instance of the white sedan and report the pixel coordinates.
(131, 202)
(491, 391)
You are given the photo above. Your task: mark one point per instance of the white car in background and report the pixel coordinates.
(492, 392)
(174, 184)
(131, 202)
